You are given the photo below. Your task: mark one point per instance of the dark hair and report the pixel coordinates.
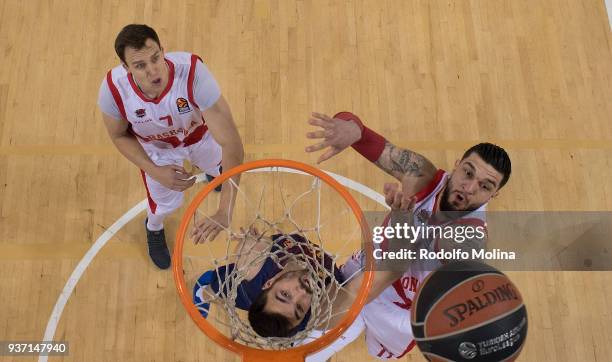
(134, 36)
(494, 156)
(268, 324)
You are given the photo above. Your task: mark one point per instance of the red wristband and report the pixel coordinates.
(371, 144)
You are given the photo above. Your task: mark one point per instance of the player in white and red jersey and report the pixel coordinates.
(161, 109)
(456, 198)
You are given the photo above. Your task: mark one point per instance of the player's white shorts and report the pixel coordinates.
(399, 346)
(336, 346)
(206, 155)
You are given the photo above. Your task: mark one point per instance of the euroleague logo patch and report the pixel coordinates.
(140, 112)
(182, 105)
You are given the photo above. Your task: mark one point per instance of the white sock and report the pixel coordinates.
(155, 222)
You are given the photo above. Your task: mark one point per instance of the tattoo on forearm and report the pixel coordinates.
(399, 162)
(407, 163)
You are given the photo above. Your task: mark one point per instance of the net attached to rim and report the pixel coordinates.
(304, 219)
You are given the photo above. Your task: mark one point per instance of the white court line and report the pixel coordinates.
(609, 8)
(80, 269)
(141, 206)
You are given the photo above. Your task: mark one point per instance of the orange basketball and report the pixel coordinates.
(469, 311)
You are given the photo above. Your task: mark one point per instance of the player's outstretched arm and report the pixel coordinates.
(221, 124)
(402, 207)
(335, 133)
(250, 247)
(401, 163)
(223, 129)
(346, 129)
(171, 176)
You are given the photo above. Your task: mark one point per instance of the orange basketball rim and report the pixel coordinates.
(251, 354)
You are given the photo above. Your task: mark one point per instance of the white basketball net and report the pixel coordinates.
(323, 297)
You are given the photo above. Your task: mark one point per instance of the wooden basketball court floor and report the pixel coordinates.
(432, 76)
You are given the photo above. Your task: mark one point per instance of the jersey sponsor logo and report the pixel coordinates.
(410, 284)
(401, 286)
(138, 121)
(182, 105)
(170, 133)
(140, 112)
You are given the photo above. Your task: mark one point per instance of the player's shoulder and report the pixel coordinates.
(112, 78)
(433, 186)
(115, 74)
(477, 217)
(181, 57)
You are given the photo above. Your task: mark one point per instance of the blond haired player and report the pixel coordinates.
(443, 198)
(163, 108)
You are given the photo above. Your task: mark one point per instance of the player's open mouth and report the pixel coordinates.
(156, 81)
(460, 199)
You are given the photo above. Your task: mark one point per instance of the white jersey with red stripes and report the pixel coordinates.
(171, 127)
(173, 119)
(387, 318)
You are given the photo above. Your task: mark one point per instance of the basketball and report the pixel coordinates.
(469, 311)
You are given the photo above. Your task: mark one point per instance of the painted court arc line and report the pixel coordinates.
(78, 271)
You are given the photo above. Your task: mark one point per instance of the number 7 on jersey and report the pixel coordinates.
(167, 118)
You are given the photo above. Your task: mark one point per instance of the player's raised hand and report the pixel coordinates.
(336, 135)
(397, 199)
(173, 177)
(402, 205)
(207, 228)
(251, 234)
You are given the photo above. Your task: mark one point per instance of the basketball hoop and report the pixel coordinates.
(252, 351)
